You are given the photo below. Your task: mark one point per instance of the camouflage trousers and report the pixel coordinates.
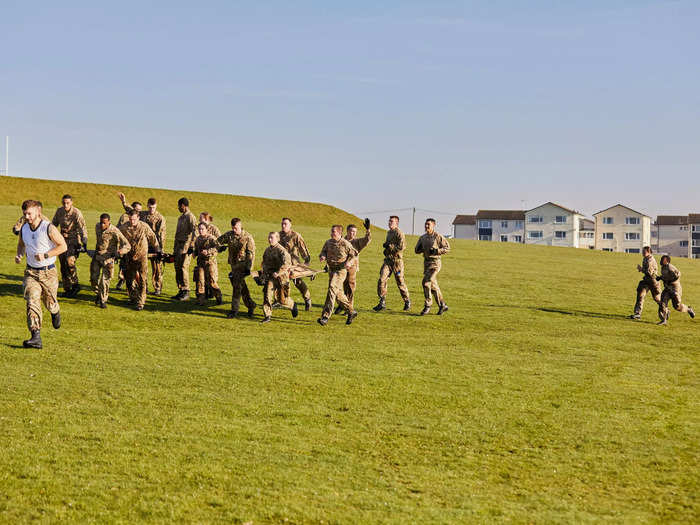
(136, 275)
(157, 273)
(208, 275)
(349, 285)
(336, 278)
(276, 291)
(67, 260)
(644, 286)
(430, 284)
(100, 277)
(240, 288)
(182, 267)
(396, 267)
(675, 297)
(303, 288)
(40, 286)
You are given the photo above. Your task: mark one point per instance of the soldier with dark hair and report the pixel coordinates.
(182, 249)
(17, 227)
(241, 254)
(670, 275)
(110, 243)
(140, 237)
(432, 245)
(648, 268)
(276, 262)
(394, 245)
(70, 222)
(294, 243)
(339, 255)
(359, 243)
(205, 247)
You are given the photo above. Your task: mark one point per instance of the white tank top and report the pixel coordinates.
(38, 242)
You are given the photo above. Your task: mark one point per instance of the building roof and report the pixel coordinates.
(506, 215)
(464, 219)
(694, 218)
(557, 205)
(672, 220)
(622, 206)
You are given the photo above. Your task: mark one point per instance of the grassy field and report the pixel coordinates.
(532, 400)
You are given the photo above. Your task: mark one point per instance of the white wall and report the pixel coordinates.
(548, 226)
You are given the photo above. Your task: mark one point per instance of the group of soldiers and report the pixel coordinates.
(140, 237)
(670, 276)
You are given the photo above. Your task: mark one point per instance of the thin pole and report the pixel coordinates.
(7, 155)
(413, 222)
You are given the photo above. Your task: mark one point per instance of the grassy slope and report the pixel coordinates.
(103, 197)
(533, 400)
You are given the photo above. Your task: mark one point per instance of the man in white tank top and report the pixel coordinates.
(42, 243)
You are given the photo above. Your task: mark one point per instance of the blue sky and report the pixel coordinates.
(448, 106)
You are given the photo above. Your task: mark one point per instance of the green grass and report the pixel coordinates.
(531, 400)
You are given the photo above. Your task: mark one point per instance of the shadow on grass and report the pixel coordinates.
(564, 311)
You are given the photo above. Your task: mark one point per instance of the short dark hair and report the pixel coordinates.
(133, 212)
(151, 201)
(202, 224)
(235, 221)
(184, 201)
(337, 227)
(394, 217)
(136, 203)
(105, 216)
(647, 249)
(207, 216)
(665, 256)
(430, 219)
(67, 196)
(25, 203)
(286, 219)
(350, 226)
(31, 204)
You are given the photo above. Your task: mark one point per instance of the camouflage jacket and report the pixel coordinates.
(276, 259)
(427, 243)
(155, 220)
(295, 245)
(109, 243)
(185, 232)
(338, 253)
(394, 245)
(205, 247)
(360, 243)
(71, 224)
(140, 237)
(241, 248)
(671, 276)
(649, 268)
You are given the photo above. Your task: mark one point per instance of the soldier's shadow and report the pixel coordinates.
(13, 288)
(564, 311)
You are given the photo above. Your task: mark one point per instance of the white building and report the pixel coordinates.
(586, 234)
(464, 227)
(694, 235)
(553, 225)
(501, 225)
(622, 229)
(671, 235)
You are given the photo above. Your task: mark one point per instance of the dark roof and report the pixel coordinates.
(693, 218)
(464, 219)
(558, 206)
(505, 215)
(672, 220)
(623, 206)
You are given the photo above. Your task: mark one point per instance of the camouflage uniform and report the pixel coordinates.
(207, 268)
(648, 283)
(71, 224)
(671, 276)
(295, 245)
(157, 223)
(337, 254)
(109, 244)
(241, 254)
(394, 246)
(216, 233)
(184, 240)
(136, 267)
(432, 246)
(359, 243)
(276, 289)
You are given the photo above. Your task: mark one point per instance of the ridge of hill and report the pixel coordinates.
(103, 197)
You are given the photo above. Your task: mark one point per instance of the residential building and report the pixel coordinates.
(694, 235)
(553, 225)
(586, 233)
(622, 229)
(464, 227)
(501, 225)
(671, 235)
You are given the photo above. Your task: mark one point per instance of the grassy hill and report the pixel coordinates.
(103, 197)
(532, 400)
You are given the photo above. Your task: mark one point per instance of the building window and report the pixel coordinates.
(484, 237)
(608, 236)
(654, 234)
(607, 220)
(684, 244)
(694, 226)
(518, 224)
(684, 228)
(517, 238)
(589, 235)
(534, 234)
(484, 224)
(560, 235)
(560, 219)
(607, 249)
(535, 218)
(631, 220)
(632, 236)
(504, 238)
(504, 224)
(631, 250)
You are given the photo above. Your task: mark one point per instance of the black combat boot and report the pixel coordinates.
(266, 319)
(120, 284)
(323, 321)
(351, 316)
(251, 311)
(232, 314)
(178, 295)
(56, 320)
(691, 312)
(103, 305)
(34, 341)
(406, 305)
(295, 310)
(338, 309)
(219, 299)
(381, 306)
(425, 310)
(636, 317)
(443, 308)
(185, 295)
(307, 304)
